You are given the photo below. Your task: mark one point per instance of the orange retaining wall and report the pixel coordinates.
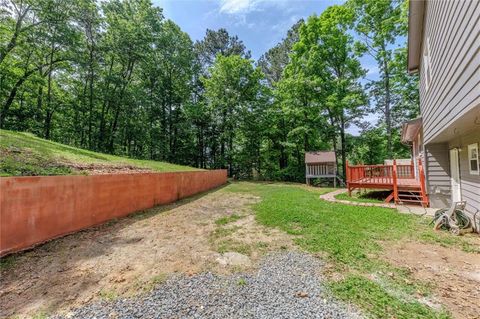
(39, 208)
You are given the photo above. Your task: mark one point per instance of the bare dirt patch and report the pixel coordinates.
(129, 256)
(454, 274)
(99, 169)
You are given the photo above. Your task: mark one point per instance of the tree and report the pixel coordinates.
(379, 23)
(274, 61)
(325, 66)
(232, 89)
(41, 37)
(115, 76)
(273, 64)
(219, 43)
(404, 90)
(166, 89)
(131, 25)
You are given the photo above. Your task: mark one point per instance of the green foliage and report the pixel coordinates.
(116, 77)
(108, 295)
(219, 43)
(241, 282)
(7, 262)
(395, 93)
(321, 85)
(373, 298)
(371, 146)
(228, 219)
(234, 93)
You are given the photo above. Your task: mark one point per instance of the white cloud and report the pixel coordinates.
(245, 6)
(236, 6)
(372, 69)
(285, 23)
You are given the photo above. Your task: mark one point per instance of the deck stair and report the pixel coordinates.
(410, 196)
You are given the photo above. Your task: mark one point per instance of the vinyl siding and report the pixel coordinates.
(437, 174)
(469, 184)
(453, 32)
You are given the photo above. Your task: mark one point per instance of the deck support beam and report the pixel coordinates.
(395, 183)
(389, 198)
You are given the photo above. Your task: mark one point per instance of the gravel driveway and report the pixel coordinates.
(286, 285)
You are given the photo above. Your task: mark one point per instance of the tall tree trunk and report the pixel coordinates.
(126, 81)
(105, 107)
(39, 100)
(13, 94)
(151, 119)
(90, 99)
(230, 154)
(49, 109)
(344, 147)
(388, 116)
(49, 112)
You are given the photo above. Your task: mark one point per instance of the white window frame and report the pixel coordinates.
(472, 147)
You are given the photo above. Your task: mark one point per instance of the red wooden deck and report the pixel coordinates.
(398, 178)
(373, 182)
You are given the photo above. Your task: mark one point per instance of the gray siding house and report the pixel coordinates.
(444, 48)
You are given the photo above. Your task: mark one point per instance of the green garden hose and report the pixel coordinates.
(458, 222)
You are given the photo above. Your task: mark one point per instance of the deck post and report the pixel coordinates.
(394, 177)
(421, 175)
(412, 170)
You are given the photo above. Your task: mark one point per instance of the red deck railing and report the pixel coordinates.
(392, 177)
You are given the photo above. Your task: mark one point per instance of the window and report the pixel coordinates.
(473, 159)
(427, 67)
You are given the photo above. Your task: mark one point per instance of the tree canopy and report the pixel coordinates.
(115, 76)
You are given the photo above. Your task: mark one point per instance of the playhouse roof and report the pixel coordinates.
(319, 157)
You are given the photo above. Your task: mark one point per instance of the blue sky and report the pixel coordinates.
(260, 24)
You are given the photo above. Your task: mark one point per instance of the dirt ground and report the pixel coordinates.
(99, 169)
(454, 274)
(131, 255)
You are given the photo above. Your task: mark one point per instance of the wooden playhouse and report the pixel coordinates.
(320, 165)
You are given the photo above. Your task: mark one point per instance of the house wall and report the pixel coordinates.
(452, 33)
(469, 184)
(437, 174)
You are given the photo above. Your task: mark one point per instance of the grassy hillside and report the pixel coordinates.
(25, 154)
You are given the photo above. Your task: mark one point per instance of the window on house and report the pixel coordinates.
(473, 159)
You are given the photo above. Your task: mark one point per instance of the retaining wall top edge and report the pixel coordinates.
(5, 178)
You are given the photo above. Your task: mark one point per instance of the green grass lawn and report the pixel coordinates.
(351, 238)
(368, 197)
(26, 154)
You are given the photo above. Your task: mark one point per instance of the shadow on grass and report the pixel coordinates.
(365, 197)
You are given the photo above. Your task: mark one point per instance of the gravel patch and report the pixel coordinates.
(286, 285)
